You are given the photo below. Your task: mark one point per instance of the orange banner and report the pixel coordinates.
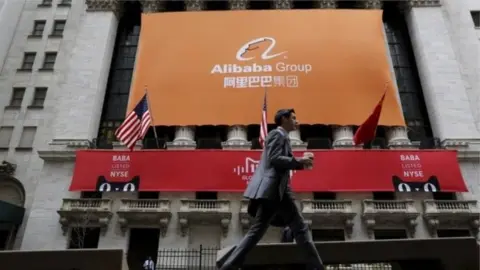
(211, 68)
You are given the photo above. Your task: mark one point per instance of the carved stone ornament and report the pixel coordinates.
(225, 223)
(433, 225)
(194, 5)
(238, 4)
(372, 4)
(152, 6)
(349, 223)
(370, 224)
(104, 5)
(326, 4)
(164, 226)
(7, 168)
(245, 222)
(183, 222)
(283, 4)
(102, 223)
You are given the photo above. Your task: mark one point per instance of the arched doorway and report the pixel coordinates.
(12, 200)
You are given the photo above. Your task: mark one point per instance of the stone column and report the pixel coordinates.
(397, 137)
(184, 138)
(148, 6)
(237, 138)
(185, 135)
(342, 137)
(82, 92)
(465, 41)
(443, 87)
(296, 140)
(237, 135)
(295, 136)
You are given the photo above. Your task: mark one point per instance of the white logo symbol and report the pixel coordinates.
(250, 166)
(252, 45)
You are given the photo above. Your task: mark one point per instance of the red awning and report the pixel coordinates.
(229, 171)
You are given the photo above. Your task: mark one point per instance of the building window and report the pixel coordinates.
(406, 73)
(453, 233)
(65, 3)
(58, 27)
(17, 97)
(206, 195)
(39, 97)
(28, 60)
(328, 235)
(260, 4)
(91, 195)
(148, 195)
(45, 3)
(444, 196)
(26, 140)
(330, 196)
(107, 134)
(390, 234)
(476, 18)
(49, 60)
(216, 5)
(121, 71)
(38, 27)
(84, 236)
(305, 4)
(384, 196)
(5, 136)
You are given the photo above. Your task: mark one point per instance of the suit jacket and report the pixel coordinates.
(271, 179)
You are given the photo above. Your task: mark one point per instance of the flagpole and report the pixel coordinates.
(151, 116)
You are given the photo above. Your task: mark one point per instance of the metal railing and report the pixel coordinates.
(204, 258)
(201, 258)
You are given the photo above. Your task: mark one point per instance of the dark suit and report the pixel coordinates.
(271, 198)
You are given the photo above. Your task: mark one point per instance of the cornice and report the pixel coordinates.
(114, 6)
(423, 3)
(467, 149)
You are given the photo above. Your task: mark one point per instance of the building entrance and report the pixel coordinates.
(143, 244)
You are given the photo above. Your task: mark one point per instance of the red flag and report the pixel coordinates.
(264, 124)
(366, 131)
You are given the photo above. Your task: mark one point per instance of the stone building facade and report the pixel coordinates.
(55, 59)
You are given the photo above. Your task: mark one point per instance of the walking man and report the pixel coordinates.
(271, 197)
(149, 264)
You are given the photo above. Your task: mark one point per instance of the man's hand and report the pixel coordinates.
(305, 161)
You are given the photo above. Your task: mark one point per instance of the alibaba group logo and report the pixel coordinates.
(252, 48)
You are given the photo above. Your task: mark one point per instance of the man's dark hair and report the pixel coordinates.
(282, 113)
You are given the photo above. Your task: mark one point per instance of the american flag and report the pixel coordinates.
(135, 125)
(264, 124)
